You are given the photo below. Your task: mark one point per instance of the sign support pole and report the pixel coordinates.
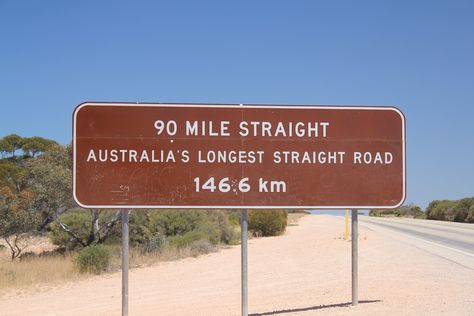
(355, 258)
(347, 225)
(243, 264)
(125, 262)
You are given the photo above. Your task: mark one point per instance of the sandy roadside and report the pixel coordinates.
(305, 272)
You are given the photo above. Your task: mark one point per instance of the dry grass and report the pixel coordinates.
(35, 271)
(142, 259)
(45, 270)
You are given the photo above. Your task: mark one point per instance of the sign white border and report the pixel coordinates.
(254, 106)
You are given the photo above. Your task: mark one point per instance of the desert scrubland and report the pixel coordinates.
(304, 272)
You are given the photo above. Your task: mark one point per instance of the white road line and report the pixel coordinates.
(429, 242)
(442, 246)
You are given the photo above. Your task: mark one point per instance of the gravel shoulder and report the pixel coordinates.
(304, 272)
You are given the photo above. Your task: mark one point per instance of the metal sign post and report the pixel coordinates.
(347, 225)
(244, 266)
(355, 258)
(125, 262)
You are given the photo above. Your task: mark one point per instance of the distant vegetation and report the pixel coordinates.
(36, 200)
(454, 211)
(444, 210)
(410, 210)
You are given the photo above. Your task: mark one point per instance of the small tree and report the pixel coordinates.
(4, 147)
(35, 145)
(17, 219)
(11, 175)
(49, 177)
(80, 228)
(10, 144)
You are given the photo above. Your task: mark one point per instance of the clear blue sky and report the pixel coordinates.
(417, 55)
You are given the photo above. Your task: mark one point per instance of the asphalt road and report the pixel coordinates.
(452, 241)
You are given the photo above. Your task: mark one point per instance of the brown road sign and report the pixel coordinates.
(135, 155)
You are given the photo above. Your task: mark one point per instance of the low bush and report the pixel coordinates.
(234, 217)
(155, 243)
(234, 235)
(140, 230)
(267, 223)
(93, 259)
(181, 241)
(199, 247)
(221, 223)
(173, 223)
(176, 224)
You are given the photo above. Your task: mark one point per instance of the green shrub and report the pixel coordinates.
(441, 210)
(462, 209)
(421, 215)
(210, 230)
(234, 236)
(140, 230)
(214, 224)
(186, 239)
(199, 247)
(379, 213)
(267, 223)
(155, 229)
(155, 243)
(234, 217)
(224, 226)
(172, 223)
(93, 259)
